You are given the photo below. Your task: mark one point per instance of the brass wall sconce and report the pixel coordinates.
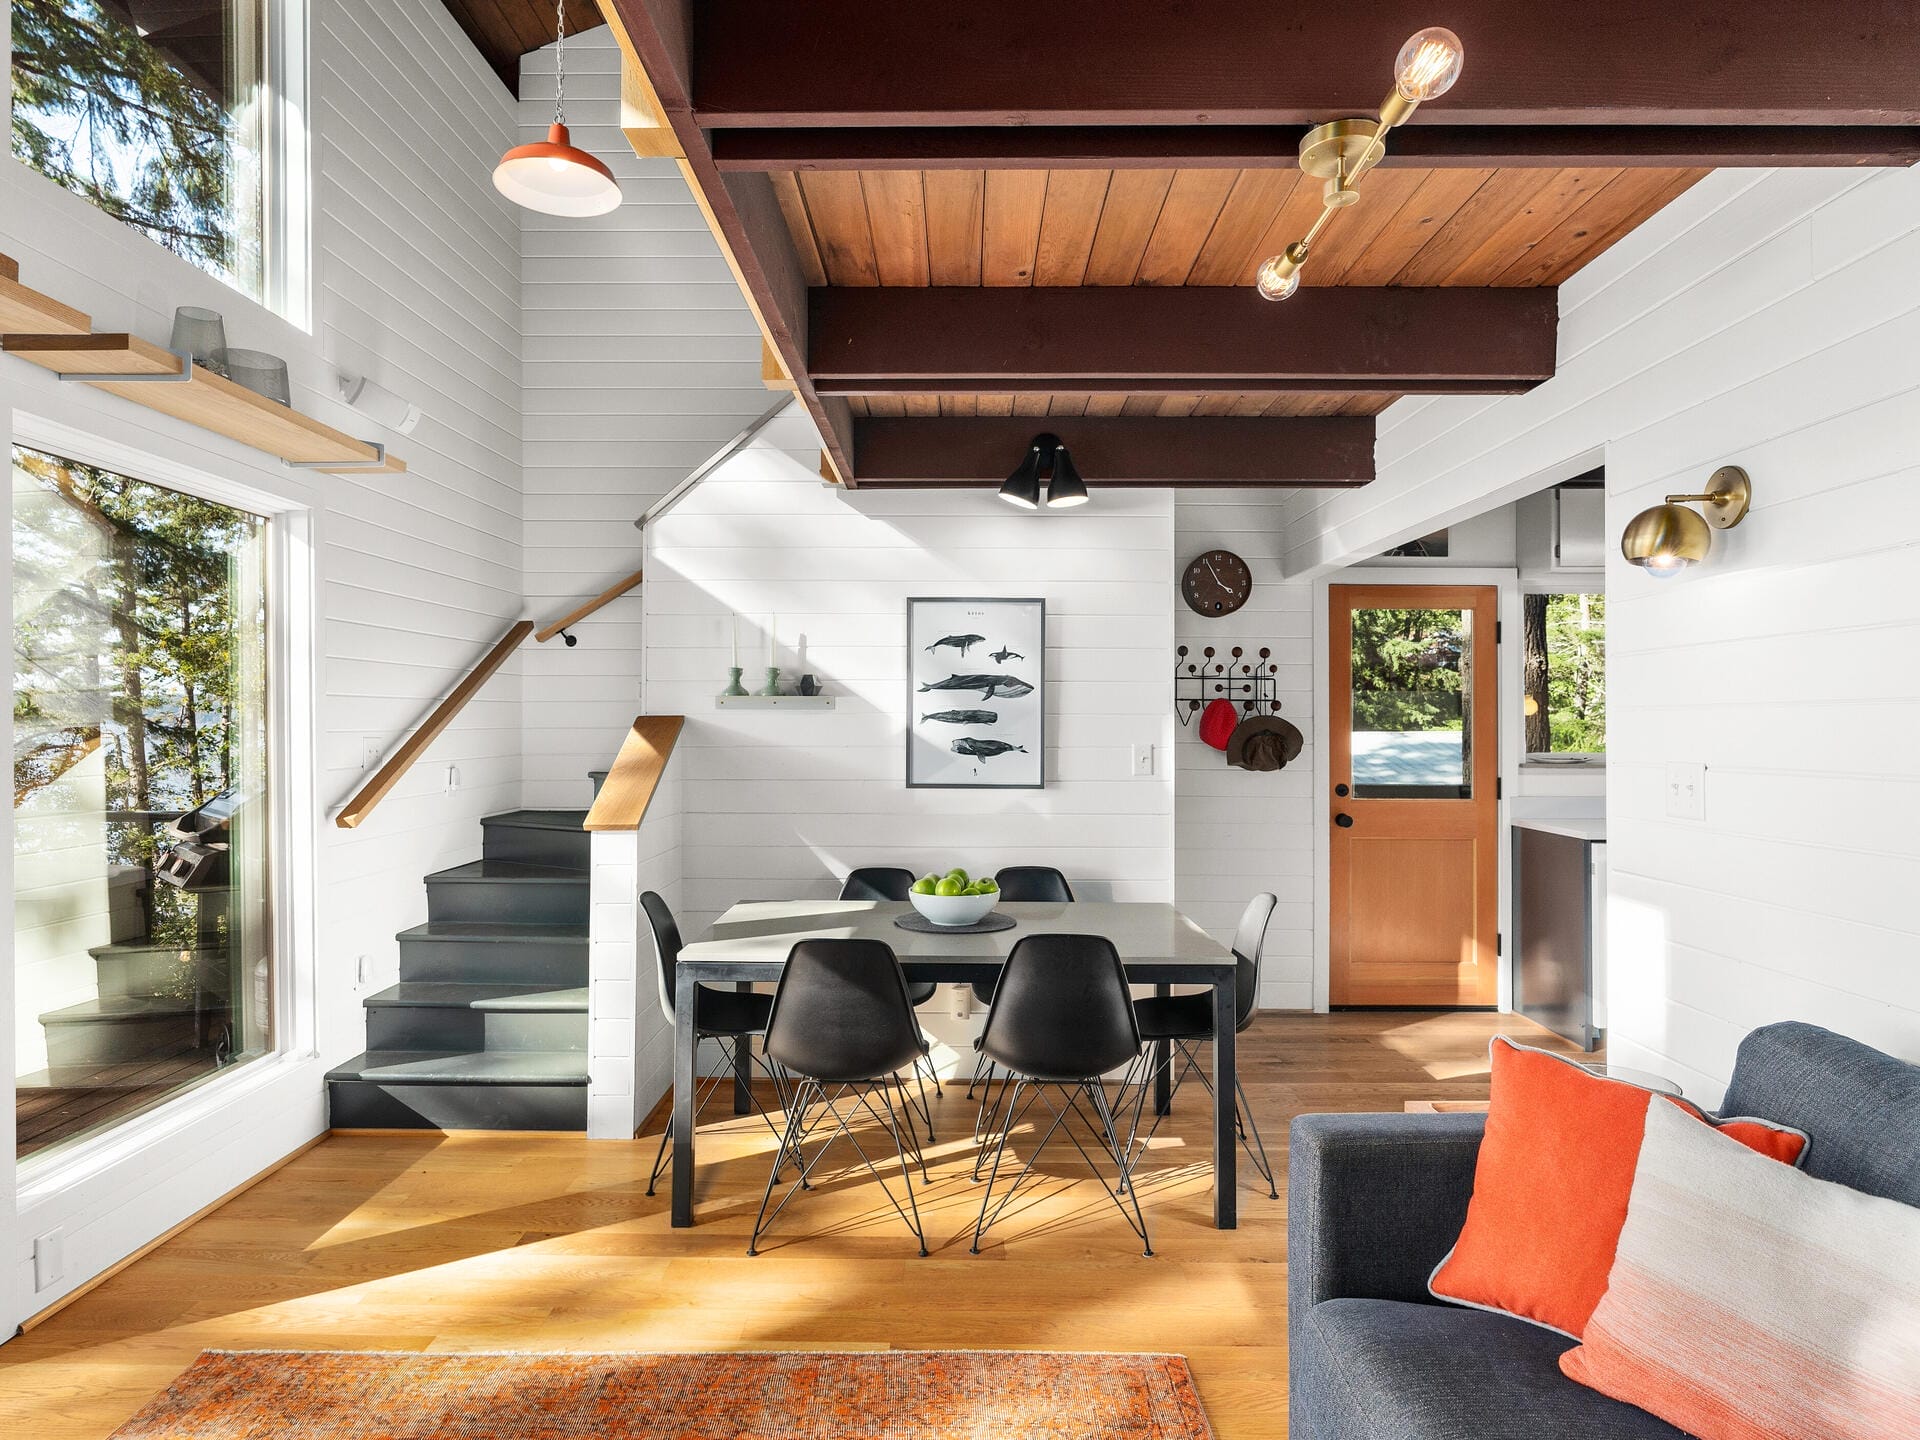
(1668, 538)
(1341, 151)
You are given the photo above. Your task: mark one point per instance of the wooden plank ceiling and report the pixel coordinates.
(953, 219)
(1413, 227)
(504, 30)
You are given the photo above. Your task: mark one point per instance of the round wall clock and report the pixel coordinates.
(1217, 583)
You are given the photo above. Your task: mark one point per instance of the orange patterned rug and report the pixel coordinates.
(901, 1395)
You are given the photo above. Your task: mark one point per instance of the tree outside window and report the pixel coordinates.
(1565, 674)
(153, 110)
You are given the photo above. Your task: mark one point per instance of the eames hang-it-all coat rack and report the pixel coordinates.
(1251, 685)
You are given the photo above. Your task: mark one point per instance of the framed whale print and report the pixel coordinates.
(976, 694)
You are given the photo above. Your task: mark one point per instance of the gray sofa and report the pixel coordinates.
(1374, 1201)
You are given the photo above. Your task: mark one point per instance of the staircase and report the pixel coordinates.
(487, 1029)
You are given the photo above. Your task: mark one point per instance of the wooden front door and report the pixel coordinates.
(1413, 734)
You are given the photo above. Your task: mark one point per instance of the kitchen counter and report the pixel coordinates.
(1589, 827)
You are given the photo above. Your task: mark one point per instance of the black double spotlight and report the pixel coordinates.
(1047, 457)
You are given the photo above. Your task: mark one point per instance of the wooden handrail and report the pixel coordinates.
(629, 786)
(575, 616)
(415, 745)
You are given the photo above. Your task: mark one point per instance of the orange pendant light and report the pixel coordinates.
(554, 176)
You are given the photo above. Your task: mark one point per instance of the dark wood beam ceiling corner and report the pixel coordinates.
(743, 209)
(1251, 62)
(1178, 338)
(1421, 146)
(504, 30)
(1116, 450)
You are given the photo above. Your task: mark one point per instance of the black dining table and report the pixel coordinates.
(1157, 946)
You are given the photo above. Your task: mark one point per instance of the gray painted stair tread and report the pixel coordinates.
(475, 871)
(568, 820)
(496, 930)
(503, 1067)
(121, 1007)
(452, 994)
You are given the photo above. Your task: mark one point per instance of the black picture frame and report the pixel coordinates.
(936, 624)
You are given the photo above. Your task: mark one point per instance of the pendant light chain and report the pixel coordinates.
(560, 59)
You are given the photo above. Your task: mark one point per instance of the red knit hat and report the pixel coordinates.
(1217, 722)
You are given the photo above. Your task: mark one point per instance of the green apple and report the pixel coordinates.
(980, 887)
(924, 885)
(949, 886)
(988, 885)
(958, 874)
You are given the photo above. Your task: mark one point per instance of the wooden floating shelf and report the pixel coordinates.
(205, 399)
(773, 702)
(27, 310)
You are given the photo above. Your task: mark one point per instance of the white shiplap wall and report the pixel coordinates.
(417, 284)
(1238, 832)
(784, 804)
(641, 359)
(1771, 320)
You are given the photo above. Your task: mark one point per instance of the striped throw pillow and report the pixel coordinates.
(1749, 1301)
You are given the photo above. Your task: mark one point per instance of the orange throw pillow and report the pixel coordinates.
(1551, 1187)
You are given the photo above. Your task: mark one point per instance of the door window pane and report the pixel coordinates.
(1564, 674)
(1413, 704)
(141, 906)
(154, 110)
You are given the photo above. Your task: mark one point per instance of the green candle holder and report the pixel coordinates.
(734, 687)
(773, 682)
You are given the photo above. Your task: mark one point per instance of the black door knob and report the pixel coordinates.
(1345, 822)
(1340, 790)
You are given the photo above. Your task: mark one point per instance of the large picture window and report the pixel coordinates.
(142, 935)
(166, 114)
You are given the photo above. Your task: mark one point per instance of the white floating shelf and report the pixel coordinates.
(773, 702)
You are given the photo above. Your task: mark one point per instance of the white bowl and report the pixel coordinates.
(955, 909)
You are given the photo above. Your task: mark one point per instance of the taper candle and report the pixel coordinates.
(733, 625)
(773, 629)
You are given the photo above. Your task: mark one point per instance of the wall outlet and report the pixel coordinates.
(363, 971)
(370, 751)
(453, 779)
(1687, 791)
(49, 1259)
(1143, 760)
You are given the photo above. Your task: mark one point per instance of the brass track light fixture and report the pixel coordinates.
(1668, 538)
(1341, 151)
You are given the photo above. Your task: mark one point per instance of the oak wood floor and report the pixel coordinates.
(431, 1242)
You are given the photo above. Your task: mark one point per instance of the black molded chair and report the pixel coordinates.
(730, 1017)
(891, 882)
(843, 1026)
(1040, 883)
(1062, 1018)
(1185, 1021)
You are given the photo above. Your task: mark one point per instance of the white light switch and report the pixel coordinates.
(1687, 791)
(1143, 760)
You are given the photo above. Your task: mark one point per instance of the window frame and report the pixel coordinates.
(292, 805)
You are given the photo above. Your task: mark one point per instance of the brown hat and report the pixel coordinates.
(1264, 742)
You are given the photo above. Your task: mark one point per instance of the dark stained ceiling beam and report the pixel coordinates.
(1182, 338)
(1252, 62)
(1117, 450)
(744, 209)
(1252, 147)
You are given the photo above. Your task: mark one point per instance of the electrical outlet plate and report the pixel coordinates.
(1686, 791)
(49, 1259)
(370, 751)
(453, 779)
(1143, 760)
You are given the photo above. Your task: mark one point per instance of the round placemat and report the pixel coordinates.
(915, 921)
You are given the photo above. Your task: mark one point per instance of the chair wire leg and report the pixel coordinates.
(790, 1139)
(906, 1171)
(1260, 1160)
(924, 1065)
(1126, 1169)
(1000, 1149)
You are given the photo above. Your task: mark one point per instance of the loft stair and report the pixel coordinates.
(487, 1027)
